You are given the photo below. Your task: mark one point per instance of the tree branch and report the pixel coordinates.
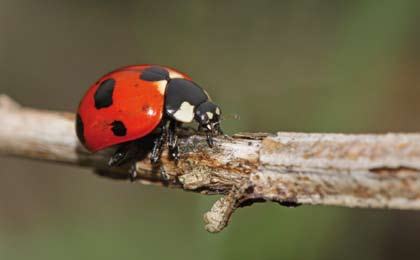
(380, 171)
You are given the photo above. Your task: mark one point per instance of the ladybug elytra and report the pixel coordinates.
(134, 101)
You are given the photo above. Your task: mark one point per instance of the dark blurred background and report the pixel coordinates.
(312, 66)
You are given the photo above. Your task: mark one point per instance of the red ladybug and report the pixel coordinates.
(134, 101)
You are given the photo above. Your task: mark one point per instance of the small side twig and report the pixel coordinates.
(380, 171)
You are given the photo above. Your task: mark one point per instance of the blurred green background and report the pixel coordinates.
(312, 66)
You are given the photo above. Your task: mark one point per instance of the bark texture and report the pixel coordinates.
(380, 171)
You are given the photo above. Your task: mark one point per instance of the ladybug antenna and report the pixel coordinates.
(229, 116)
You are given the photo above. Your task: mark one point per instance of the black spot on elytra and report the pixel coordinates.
(103, 95)
(80, 129)
(154, 74)
(118, 128)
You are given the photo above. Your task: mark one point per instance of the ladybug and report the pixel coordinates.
(135, 101)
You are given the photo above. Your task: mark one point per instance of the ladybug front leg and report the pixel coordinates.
(173, 139)
(209, 136)
(209, 139)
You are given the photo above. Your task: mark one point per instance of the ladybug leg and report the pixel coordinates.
(165, 176)
(219, 131)
(133, 172)
(173, 140)
(120, 156)
(209, 136)
(209, 139)
(157, 151)
(158, 144)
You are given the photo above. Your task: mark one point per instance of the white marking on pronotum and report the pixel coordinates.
(217, 111)
(209, 115)
(174, 75)
(185, 113)
(161, 86)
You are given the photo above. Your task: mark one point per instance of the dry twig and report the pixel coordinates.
(380, 171)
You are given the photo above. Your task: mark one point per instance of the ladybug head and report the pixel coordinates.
(208, 115)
